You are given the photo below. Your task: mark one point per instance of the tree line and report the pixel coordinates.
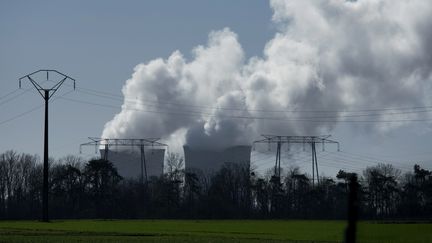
(94, 189)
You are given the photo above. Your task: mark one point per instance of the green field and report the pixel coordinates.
(207, 231)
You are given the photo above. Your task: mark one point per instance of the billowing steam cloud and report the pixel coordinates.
(331, 55)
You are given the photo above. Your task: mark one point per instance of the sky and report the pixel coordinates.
(334, 57)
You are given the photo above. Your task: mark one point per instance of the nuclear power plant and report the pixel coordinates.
(208, 161)
(128, 162)
(144, 158)
(132, 157)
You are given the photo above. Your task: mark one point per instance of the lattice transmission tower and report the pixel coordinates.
(279, 140)
(141, 143)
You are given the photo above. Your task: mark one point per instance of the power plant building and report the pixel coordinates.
(208, 161)
(128, 162)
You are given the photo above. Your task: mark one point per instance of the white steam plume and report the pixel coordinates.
(327, 55)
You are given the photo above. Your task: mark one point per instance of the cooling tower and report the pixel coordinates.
(209, 161)
(128, 162)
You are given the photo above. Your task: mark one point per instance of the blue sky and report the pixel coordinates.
(100, 42)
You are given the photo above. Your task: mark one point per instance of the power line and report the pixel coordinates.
(357, 161)
(200, 114)
(16, 96)
(21, 114)
(339, 116)
(35, 108)
(334, 165)
(375, 160)
(122, 98)
(265, 159)
(8, 94)
(332, 160)
(403, 111)
(429, 153)
(327, 163)
(332, 119)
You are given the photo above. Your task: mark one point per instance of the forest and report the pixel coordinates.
(93, 189)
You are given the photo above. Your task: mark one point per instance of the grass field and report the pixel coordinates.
(303, 231)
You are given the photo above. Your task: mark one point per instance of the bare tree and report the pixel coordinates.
(174, 162)
(382, 187)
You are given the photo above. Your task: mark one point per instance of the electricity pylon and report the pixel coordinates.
(46, 94)
(312, 140)
(106, 143)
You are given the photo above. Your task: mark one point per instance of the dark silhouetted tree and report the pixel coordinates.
(101, 184)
